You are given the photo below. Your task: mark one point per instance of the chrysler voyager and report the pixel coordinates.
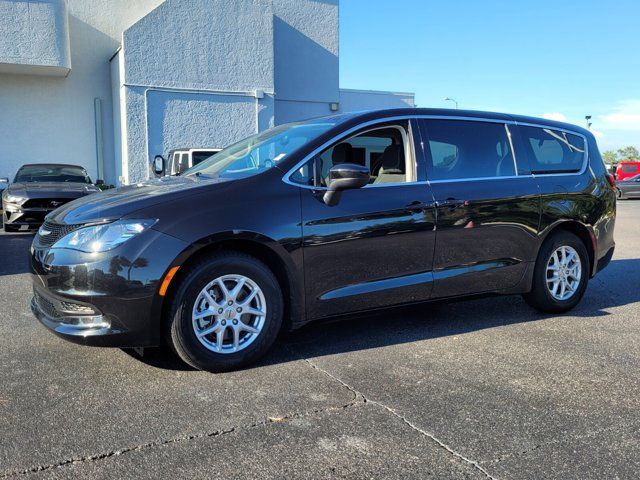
(327, 217)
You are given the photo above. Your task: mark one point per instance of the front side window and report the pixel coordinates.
(553, 151)
(629, 168)
(52, 173)
(467, 149)
(261, 152)
(384, 150)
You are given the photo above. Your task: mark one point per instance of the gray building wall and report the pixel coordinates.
(52, 118)
(186, 73)
(191, 72)
(306, 58)
(36, 38)
(360, 100)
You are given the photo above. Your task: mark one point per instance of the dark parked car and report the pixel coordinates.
(327, 217)
(629, 188)
(39, 189)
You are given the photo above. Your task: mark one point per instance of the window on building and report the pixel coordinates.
(553, 151)
(383, 150)
(468, 149)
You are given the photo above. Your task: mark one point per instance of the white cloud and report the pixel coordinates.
(560, 117)
(626, 116)
(597, 133)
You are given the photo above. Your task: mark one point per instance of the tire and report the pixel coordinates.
(540, 297)
(190, 299)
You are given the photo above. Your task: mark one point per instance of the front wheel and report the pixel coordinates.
(561, 274)
(226, 312)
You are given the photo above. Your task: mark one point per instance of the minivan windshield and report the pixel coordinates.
(52, 173)
(262, 151)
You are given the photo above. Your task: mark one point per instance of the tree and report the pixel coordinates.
(610, 157)
(629, 153)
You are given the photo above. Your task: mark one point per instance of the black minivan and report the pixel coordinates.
(327, 217)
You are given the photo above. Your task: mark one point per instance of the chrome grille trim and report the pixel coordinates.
(56, 232)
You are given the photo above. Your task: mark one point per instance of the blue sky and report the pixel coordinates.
(563, 58)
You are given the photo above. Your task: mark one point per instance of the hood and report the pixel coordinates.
(120, 202)
(51, 189)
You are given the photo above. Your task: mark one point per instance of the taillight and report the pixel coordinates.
(611, 179)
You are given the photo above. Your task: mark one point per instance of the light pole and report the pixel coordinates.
(447, 99)
(588, 119)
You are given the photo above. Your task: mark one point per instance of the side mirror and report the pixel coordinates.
(158, 165)
(346, 176)
(4, 180)
(99, 182)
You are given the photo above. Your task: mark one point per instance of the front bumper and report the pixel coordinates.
(14, 214)
(79, 326)
(108, 299)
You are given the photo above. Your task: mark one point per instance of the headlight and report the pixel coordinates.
(102, 238)
(12, 198)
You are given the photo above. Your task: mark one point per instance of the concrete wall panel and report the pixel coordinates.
(306, 50)
(181, 119)
(358, 100)
(202, 44)
(291, 111)
(34, 37)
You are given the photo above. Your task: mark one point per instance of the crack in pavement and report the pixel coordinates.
(406, 421)
(162, 443)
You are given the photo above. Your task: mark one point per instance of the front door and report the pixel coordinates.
(375, 247)
(488, 207)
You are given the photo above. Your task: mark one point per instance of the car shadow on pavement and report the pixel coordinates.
(14, 252)
(616, 286)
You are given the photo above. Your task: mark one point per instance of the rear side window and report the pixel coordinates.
(553, 151)
(468, 149)
(629, 168)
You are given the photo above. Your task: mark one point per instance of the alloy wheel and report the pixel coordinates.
(229, 314)
(564, 272)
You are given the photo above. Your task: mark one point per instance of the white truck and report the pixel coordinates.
(180, 160)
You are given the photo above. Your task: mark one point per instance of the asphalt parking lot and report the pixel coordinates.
(479, 389)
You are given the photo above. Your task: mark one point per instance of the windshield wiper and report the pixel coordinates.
(204, 175)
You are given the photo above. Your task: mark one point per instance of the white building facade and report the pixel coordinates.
(109, 84)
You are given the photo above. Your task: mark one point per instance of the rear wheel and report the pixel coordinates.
(561, 274)
(226, 313)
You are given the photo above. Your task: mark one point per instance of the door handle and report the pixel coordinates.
(418, 205)
(452, 202)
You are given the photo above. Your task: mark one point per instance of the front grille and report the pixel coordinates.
(76, 308)
(48, 203)
(70, 312)
(56, 232)
(47, 307)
